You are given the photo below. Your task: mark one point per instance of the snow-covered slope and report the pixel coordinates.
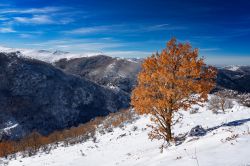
(232, 67)
(227, 142)
(45, 55)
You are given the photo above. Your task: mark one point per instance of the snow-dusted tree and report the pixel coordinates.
(172, 80)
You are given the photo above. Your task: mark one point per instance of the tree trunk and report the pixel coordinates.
(168, 131)
(168, 127)
(222, 106)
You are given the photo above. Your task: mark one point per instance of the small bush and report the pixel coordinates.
(220, 101)
(244, 99)
(34, 143)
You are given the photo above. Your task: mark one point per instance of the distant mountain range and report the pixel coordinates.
(122, 73)
(44, 55)
(42, 96)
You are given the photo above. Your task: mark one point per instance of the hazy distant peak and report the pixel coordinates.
(45, 55)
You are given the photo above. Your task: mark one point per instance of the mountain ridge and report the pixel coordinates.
(37, 96)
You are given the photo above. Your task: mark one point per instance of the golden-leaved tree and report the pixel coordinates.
(172, 80)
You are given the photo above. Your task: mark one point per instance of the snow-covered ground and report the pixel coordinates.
(227, 143)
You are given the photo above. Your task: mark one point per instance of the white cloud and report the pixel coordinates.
(44, 10)
(80, 45)
(157, 27)
(41, 19)
(65, 21)
(95, 46)
(128, 54)
(26, 35)
(36, 19)
(209, 49)
(89, 30)
(161, 27)
(122, 28)
(46, 15)
(3, 18)
(7, 30)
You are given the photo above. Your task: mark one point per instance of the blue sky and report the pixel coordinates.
(219, 28)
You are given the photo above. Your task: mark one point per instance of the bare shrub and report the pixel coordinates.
(118, 119)
(244, 99)
(220, 102)
(214, 104)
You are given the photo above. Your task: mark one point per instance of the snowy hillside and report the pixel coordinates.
(227, 142)
(232, 67)
(115, 73)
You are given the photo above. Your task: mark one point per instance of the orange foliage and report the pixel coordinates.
(172, 80)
